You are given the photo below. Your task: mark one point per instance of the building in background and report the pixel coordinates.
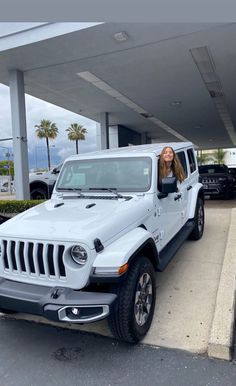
(228, 157)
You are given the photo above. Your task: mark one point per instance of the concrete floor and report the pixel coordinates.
(186, 290)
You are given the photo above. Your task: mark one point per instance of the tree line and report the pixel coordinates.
(49, 130)
(217, 156)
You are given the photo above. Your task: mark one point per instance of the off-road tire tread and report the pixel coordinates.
(120, 320)
(195, 235)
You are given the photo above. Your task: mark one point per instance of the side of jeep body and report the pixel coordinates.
(92, 250)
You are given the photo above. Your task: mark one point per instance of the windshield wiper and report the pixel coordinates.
(112, 190)
(77, 190)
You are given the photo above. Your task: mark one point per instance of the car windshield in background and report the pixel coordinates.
(212, 169)
(123, 174)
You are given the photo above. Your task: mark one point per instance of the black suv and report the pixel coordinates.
(217, 180)
(232, 171)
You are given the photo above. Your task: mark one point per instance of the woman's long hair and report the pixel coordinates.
(176, 166)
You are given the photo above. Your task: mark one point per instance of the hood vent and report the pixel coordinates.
(90, 205)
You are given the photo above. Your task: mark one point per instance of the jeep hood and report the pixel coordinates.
(78, 220)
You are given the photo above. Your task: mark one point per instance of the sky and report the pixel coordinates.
(36, 110)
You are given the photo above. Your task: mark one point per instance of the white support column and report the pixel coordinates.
(104, 121)
(17, 93)
(113, 137)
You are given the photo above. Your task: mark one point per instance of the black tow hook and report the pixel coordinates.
(56, 292)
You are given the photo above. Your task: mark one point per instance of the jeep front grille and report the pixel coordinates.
(33, 259)
(210, 180)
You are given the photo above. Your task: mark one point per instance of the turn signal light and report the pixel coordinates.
(123, 269)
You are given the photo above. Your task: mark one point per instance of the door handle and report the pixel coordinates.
(177, 197)
(189, 187)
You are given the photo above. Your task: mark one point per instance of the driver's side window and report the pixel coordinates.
(182, 159)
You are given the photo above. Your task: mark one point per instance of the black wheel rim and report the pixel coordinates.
(200, 221)
(143, 299)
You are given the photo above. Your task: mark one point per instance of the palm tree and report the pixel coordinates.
(219, 155)
(203, 158)
(76, 133)
(48, 130)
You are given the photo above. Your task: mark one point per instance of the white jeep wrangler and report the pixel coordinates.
(92, 250)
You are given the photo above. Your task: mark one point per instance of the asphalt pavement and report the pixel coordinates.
(35, 355)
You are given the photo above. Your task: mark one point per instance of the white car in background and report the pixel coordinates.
(42, 183)
(5, 187)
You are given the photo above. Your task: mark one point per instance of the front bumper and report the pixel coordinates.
(55, 303)
(214, 189)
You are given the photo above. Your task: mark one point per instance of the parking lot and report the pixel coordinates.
(186, 290)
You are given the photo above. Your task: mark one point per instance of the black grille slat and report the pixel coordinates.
(13, 256)
(50, 260)
(30, 258)
(40, 259)
(5, 260)
(21, 255)
(60, 260)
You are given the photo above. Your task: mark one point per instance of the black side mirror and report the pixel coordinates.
(55, 171)
(168, 185)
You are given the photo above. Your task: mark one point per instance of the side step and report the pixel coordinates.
(168, 252)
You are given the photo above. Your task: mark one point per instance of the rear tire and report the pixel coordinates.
(199, 220)
(133, 310)
(39, 194)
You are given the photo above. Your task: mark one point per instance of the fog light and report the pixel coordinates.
(75, 311)
(79, 254)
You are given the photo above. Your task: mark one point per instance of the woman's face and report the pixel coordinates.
(168, 155)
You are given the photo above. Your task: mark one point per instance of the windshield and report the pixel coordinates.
(210, 169)
(124, 174)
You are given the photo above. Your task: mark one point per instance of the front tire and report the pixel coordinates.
(134, 308)
(199, 221)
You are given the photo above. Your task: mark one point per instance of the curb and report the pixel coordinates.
(222, 330)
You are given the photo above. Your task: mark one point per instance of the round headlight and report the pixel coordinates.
(79, 254)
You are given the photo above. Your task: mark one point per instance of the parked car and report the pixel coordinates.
(92, 250)
(42, 183)
(5, 187)
(217, 180)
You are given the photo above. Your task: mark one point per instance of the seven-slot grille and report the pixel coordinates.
(210, 180)
(34, 259)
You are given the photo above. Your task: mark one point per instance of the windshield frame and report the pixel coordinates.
(117, 188)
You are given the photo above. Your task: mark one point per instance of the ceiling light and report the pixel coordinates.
(176, 103)
(86, 75)
(120, 36)
(147, 115)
